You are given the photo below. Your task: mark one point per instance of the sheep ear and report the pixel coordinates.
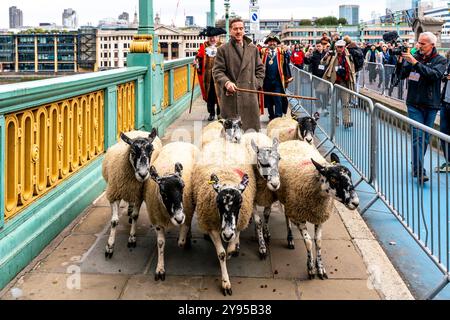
(244, 183)
(275, 144)
(254, 146)
(154, 174)
(316, 116)
(215, 182)
(318, 166)
(153, 135)
(334, 158)
(125, 139)
(222, 121)
(179, 169)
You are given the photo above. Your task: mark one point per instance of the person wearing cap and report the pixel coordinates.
(277, 76)
(238, 65)
(341, 70)
(204, 61)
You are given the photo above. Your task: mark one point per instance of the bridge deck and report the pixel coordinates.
(73, 266)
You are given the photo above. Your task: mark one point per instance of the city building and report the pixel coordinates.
(189, 21)
(349, 13)
(399, 5)
(442, 12)
(178, 43)
(15, 17)
(113, 46)
(124, 16)
(69, 19)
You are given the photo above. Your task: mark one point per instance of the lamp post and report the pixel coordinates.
(212, 14)
(226, 3)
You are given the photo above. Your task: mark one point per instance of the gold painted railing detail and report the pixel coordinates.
(126, 106)
(166, 99)
(47, 144)
(180, 82)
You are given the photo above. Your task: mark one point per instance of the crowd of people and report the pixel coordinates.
(224, 69)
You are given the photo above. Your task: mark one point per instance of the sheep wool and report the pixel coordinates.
(229, 161)
(186, 154)
(118, 172)
(211, 132)
(300, 190)
(284, 129)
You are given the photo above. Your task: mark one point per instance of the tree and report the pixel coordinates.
(305, 22)
(342, 21)
(327, 21)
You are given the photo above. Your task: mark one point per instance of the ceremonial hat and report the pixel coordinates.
(272, 37)
(212, 31)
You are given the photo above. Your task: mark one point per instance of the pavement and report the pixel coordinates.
(73, 265)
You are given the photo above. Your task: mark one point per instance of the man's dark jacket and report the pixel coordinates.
(314, 61)
(425, 93)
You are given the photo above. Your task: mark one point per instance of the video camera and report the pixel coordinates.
(393, 38)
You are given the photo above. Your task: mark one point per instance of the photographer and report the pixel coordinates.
(341, 70)
(445, 119)
(424, 71)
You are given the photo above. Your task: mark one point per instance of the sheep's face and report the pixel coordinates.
(141, 150)
(171, 193)
(307, 127)
(267, 162)
(232, 129)
(229, 202)
(336, 181)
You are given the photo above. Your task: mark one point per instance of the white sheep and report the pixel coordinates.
(125, 167)
(287, 128)
(265, 158)
(231, 129)
(308, 186)
(168, 195)
(224, 209)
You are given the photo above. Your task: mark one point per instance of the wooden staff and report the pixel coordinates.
(276, 94)
(192, 90)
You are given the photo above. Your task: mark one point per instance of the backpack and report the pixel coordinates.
(358, 58)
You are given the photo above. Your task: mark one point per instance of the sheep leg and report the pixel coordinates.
(133, 218)
(233, 247)
(112, 235)
(266, 232)
(259, 233)
(318, 241)
(290, 237)
(308, 243)
(130, 211)
(221, 254)
(184, 237)
(161, 241)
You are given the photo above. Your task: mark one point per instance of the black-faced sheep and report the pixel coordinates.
(309, 184)
(230, 129)
(125, 168)
(224, 192)
(168, 195)
(287, 128)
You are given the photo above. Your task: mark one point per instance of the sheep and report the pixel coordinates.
(231, 129)
(125, 167)
(286, 128)
(224, 209)
(308, 186)
(264, 153)
(168, 195)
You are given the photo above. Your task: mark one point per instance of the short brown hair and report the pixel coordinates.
(234, 20)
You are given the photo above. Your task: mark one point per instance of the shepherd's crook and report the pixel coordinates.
(192, 90)
(276, 94)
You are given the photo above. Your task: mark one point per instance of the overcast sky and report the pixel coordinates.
(35, 11)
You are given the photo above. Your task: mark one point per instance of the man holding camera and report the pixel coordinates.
(424, 71)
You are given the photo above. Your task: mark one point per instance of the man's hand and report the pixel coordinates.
(408, 57)
(231, 87)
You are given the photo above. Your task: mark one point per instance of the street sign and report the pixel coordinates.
(254, 19)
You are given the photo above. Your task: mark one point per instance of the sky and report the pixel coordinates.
(36, 11)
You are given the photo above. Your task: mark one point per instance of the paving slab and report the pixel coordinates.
(144, 287)
(201, 260)
(94, 222)
(336, 290)
(124, 261)
(57, 286)
(250, 289)
(67, 252)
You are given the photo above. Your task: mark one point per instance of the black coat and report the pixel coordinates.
(445, 82)
(426, 92)
(314, 61)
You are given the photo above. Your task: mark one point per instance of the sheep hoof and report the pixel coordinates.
(322, 275)
(130, 220)
(227, 292)
(291, 245)
(311, 276)
(108, 254)
(131, 244)
(262, 255)
(161, 275)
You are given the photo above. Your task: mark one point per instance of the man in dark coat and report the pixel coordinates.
(238, 65)
(278, 75)
(205, 61)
